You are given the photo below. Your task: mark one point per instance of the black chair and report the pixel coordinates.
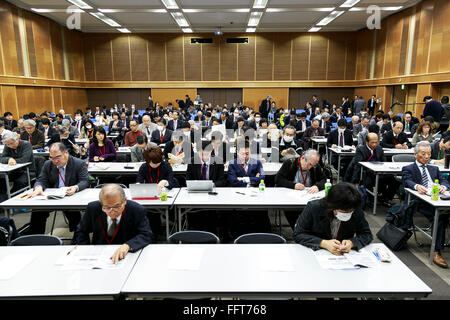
(8, 231)
(260, 238)
(37, 240)
(403, 158)
(193, 237)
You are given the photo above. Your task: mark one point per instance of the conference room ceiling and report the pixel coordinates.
(211, 15)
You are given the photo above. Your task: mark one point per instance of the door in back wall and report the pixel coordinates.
(220, 96)
(299, 96)
(109, 97)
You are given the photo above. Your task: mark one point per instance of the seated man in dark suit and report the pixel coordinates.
(62, 170)
(242, 172)
(371, 151)
(396, 138)
(14, 152)
(115, 220)
(32, 134)
(288, 144)
(335, 223)
(301, 124)
(175, 123)
(220, 149)
(420, 176)
(300, 173)
(389, 124)
(67, 139)
(178, 150)
(162, 135)
(325, 122)
(340, 137)
(312, 131)
(203, 167)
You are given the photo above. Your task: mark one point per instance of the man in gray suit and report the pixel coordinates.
(62, 170)
(359, 105)
(137, 151)
(362, 126)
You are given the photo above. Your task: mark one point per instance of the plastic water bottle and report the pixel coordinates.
(164, 194)
(435, 191)
(262, 186)
(327, 187)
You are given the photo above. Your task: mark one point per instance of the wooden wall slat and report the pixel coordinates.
(121, 57)
(7, 32)
(139, 59)
(9, 97)
(264, 57)
(89, 62)
(103, 59)
(318, 58)
(174, 56)
(282, 57)
(246, 60)
(300, 56)
(57, 51)
(404, 43)
(380, 49)
(228, 60)
(336, 57)
(210, 60)
(192, 59)
(156, 57)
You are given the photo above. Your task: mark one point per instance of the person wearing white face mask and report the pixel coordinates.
(162, 135)
(335, 223)
(288, 143)
(340, 138)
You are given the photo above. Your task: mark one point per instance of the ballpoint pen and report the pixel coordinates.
(71, 251)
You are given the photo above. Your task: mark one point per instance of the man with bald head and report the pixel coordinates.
(115, 220)
(147, 126)
(396, 138)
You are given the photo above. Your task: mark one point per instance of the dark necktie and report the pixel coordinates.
(424, 176)
(204, 169)
(341, 140)
(112, 228)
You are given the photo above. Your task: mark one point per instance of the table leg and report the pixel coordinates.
(167, 222)
(179, 219)
(375, 194)
(28, 176)
(8, 190)
(339, 168)
(433, 234)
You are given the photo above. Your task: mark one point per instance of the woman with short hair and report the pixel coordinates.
(101, 149)
(423, 133)
(156, 169)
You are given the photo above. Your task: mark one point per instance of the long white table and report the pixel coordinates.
(81, 199)
(277, 199)
(6, 170)
(240, 270)
(386, 168)
(43, 279)
(439, 207)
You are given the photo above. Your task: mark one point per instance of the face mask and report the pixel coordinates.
(88, 126)
(257, 120)
(63, 138)
(78, 118)
(288, 138)
(160, 128)
(343, 216)
(167, 118)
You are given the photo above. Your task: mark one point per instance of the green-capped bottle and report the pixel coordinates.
(435, 191)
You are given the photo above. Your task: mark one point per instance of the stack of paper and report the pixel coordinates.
(89, 257)
(352, 260)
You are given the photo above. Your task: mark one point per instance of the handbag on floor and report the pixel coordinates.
(394, 238)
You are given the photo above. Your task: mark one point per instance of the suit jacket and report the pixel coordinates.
(333, 138)
(327, 126)
(186, 148)
(286, 175)
(434, 109)
(310, 133)
(22, 154)
(69, 142)
(334, 117)
(357, 129)
(313, 226)
(236, 170)
(37, 138)
(369, 103)
(156, 136)
(362, 153)
(76, 173)
(163, 172)
(118, 127)
(216, 171)
(386, 127)
(295, 144)
(264, 109)
(412, 175)
(133, 228)
(10, 124)
(358, 106)
(223, 153)
(389, 141)
(300, 127)
(345, 108)
(170, 124)
(152, 128)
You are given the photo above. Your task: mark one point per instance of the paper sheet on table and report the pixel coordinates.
(13, 263)
(275, 259)
(361, 258)
(186, 259)
(89, 257)
(327, 260)
(54, 194)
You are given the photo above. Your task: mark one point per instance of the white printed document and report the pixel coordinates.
(89, 257)
(352, 260)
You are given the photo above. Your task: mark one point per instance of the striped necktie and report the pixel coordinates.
(112, 228)
(424, 176)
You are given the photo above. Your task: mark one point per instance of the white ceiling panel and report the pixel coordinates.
(274, 3)
(126, 3)
(209, 3)
(290, 17)
(217, 18)
(142, 18)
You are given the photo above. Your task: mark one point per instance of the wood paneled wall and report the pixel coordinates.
(299, 96)
(164, 96)
(172, 57)
(252, 97)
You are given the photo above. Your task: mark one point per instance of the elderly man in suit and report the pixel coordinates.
(115, 220)
(313, 131)
(359, 105)
(396, 138)
(32, 135)
(16, 151)
(62, 170)
(420, 176)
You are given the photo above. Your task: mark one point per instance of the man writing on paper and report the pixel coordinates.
(335, 223)
(301, 173)
(62, 170)
(115, 220)
(420, 176)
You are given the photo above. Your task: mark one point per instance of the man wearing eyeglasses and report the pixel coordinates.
(115, 220)
(62, 170)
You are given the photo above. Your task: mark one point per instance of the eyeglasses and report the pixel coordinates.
(115, 208)
(55, 158)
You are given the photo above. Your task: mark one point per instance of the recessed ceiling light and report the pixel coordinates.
(325, 9)
(124, 30)
(250, 30)
(41, 10)
(180, 19)
(314, 29)
(170, 4)
(259, 4)
(391, 8)
(330, 18)
(254, 19)
(192, 10)
(105, 19)
(357, 9)
(349, 3)
(187, 30)
(80, 4)
(275, 9)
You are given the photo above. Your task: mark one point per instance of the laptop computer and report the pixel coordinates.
(199, 185)
(144, 191)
